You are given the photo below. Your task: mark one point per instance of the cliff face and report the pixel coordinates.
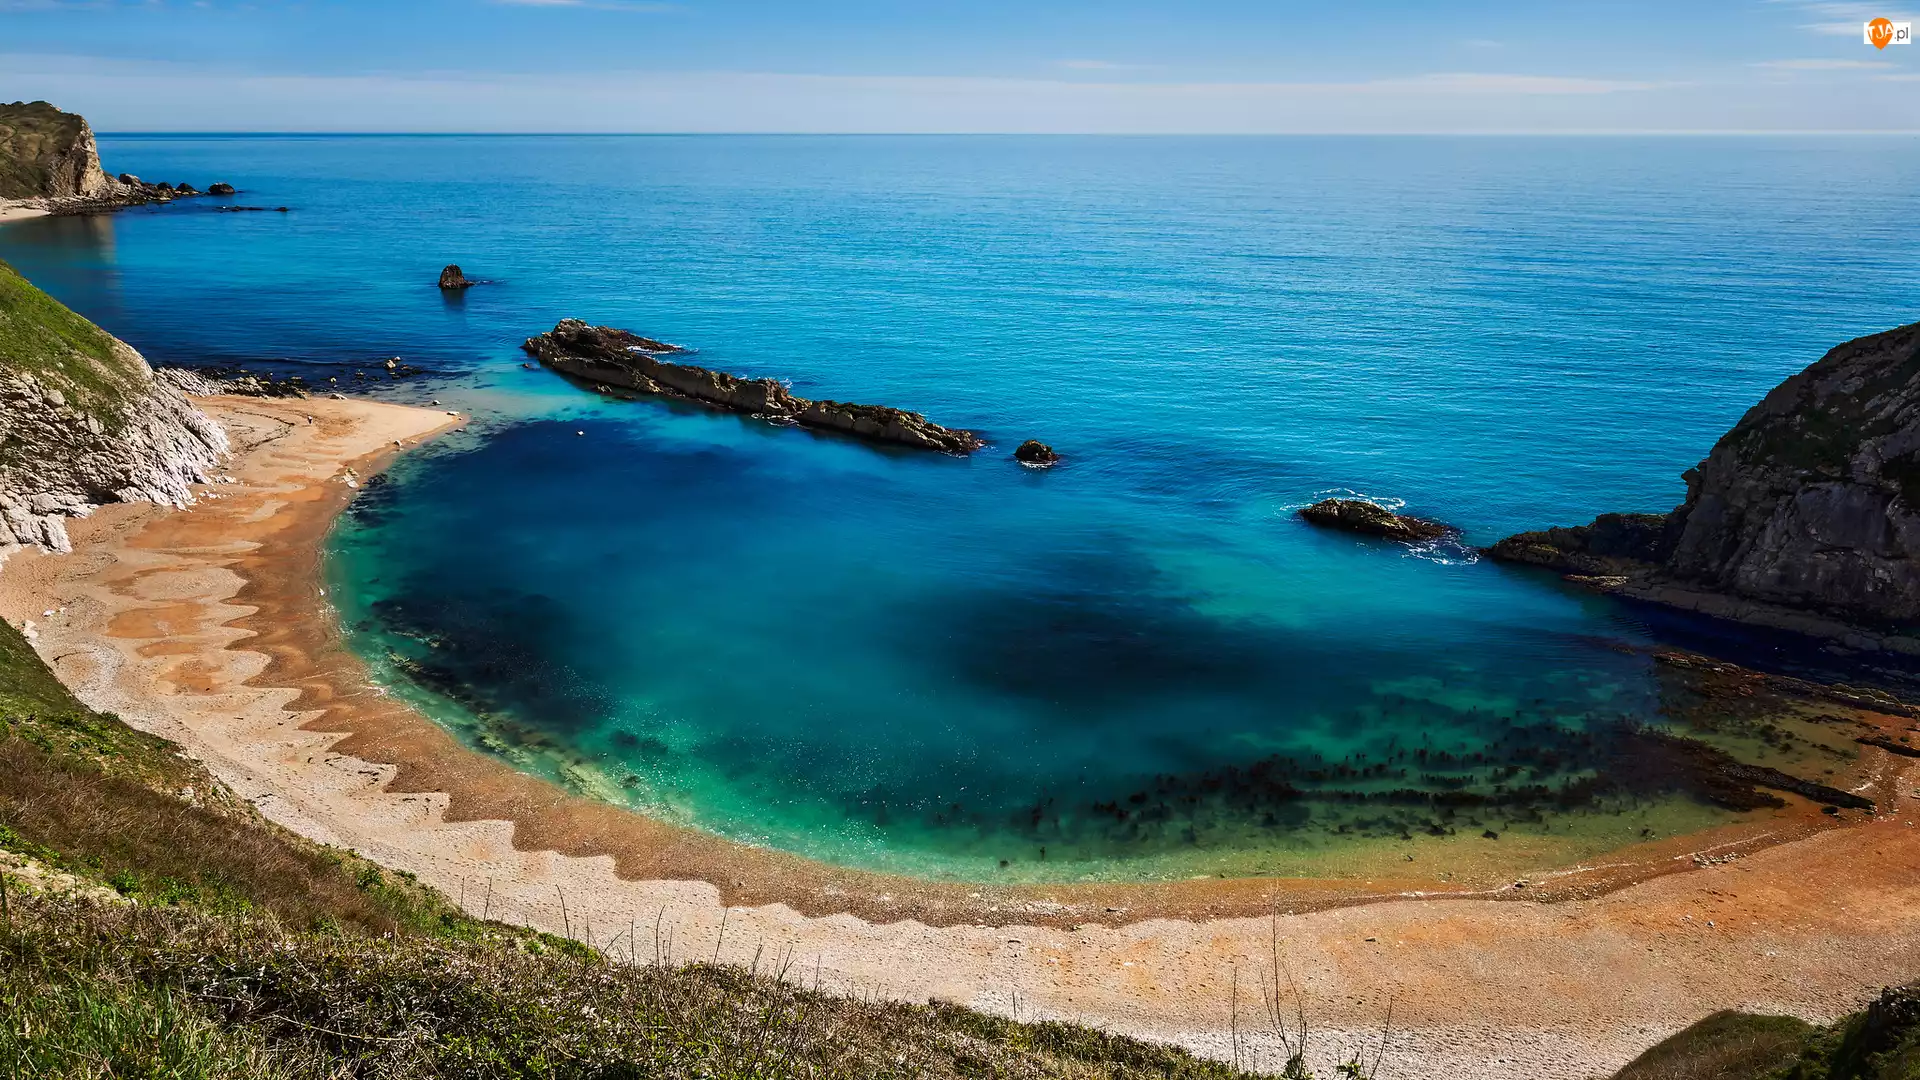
(83, 421)
(1811, 503)
(46, 153)
(1814, 497)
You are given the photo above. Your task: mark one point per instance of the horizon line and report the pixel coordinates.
(1491, 134)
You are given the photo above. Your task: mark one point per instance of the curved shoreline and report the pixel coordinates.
(199, 625)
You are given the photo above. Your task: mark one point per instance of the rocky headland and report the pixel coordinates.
(1372, 519)
(84, 421)
(50, 161)
(609, 357)
(1804, 517)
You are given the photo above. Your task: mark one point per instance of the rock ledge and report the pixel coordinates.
(606, 356)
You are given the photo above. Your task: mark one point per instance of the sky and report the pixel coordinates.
(1014, 66)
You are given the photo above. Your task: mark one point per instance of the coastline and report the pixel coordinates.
(205, 626)
(21, 210)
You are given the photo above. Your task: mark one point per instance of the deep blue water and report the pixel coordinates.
(916, 662)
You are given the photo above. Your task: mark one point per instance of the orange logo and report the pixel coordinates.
(1880, 33)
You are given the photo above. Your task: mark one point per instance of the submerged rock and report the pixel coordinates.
(1036, 453)
(1372, 519)
(1805, 516)
(618, 358)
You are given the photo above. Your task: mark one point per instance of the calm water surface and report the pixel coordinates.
(1138, 664)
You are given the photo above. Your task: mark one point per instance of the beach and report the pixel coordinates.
(210, 626)
(17, 211)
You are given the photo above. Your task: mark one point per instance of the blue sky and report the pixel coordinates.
(989, 65)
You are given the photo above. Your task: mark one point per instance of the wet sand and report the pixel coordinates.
(209, 626)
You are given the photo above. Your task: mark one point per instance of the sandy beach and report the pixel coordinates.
(210, 626)
(16, 211)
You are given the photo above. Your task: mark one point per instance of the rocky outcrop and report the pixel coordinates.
(1805, 516)
(605, 356)
(1035, 453)
(84, 421)
(46, 153)
(50, 160)
(1372, 519)
(1613, 544)
(234, 382)
(453, 280)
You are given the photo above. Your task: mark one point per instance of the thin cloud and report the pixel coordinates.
(122, 95)
(1099, 65)
(1822, 64)
(1842, 19)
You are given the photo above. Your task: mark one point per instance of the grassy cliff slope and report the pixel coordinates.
(43, 338)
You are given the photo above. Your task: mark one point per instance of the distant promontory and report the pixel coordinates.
(50, 161)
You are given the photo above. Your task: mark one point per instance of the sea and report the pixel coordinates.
(1139, 664)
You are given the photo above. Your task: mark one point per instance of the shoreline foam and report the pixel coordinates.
(201, 626)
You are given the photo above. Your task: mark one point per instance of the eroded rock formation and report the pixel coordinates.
(83, 421)
(605, 356)
(1805, 516)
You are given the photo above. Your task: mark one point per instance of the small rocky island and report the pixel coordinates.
(606, 356)
(1037, 454)
(1804, 517)
(1372, 519)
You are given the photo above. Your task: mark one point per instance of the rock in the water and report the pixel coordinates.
(1035, 452)
(1372, 519)
(604, 354)
(130, 180)
(1805, 516)
(451, 278)
(219, 189)
(184, 189)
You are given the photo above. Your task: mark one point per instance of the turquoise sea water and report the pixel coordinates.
(1138, 664)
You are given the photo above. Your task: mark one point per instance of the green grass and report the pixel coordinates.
(1724, 1046)
(1881, 1042)
(83, 792)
